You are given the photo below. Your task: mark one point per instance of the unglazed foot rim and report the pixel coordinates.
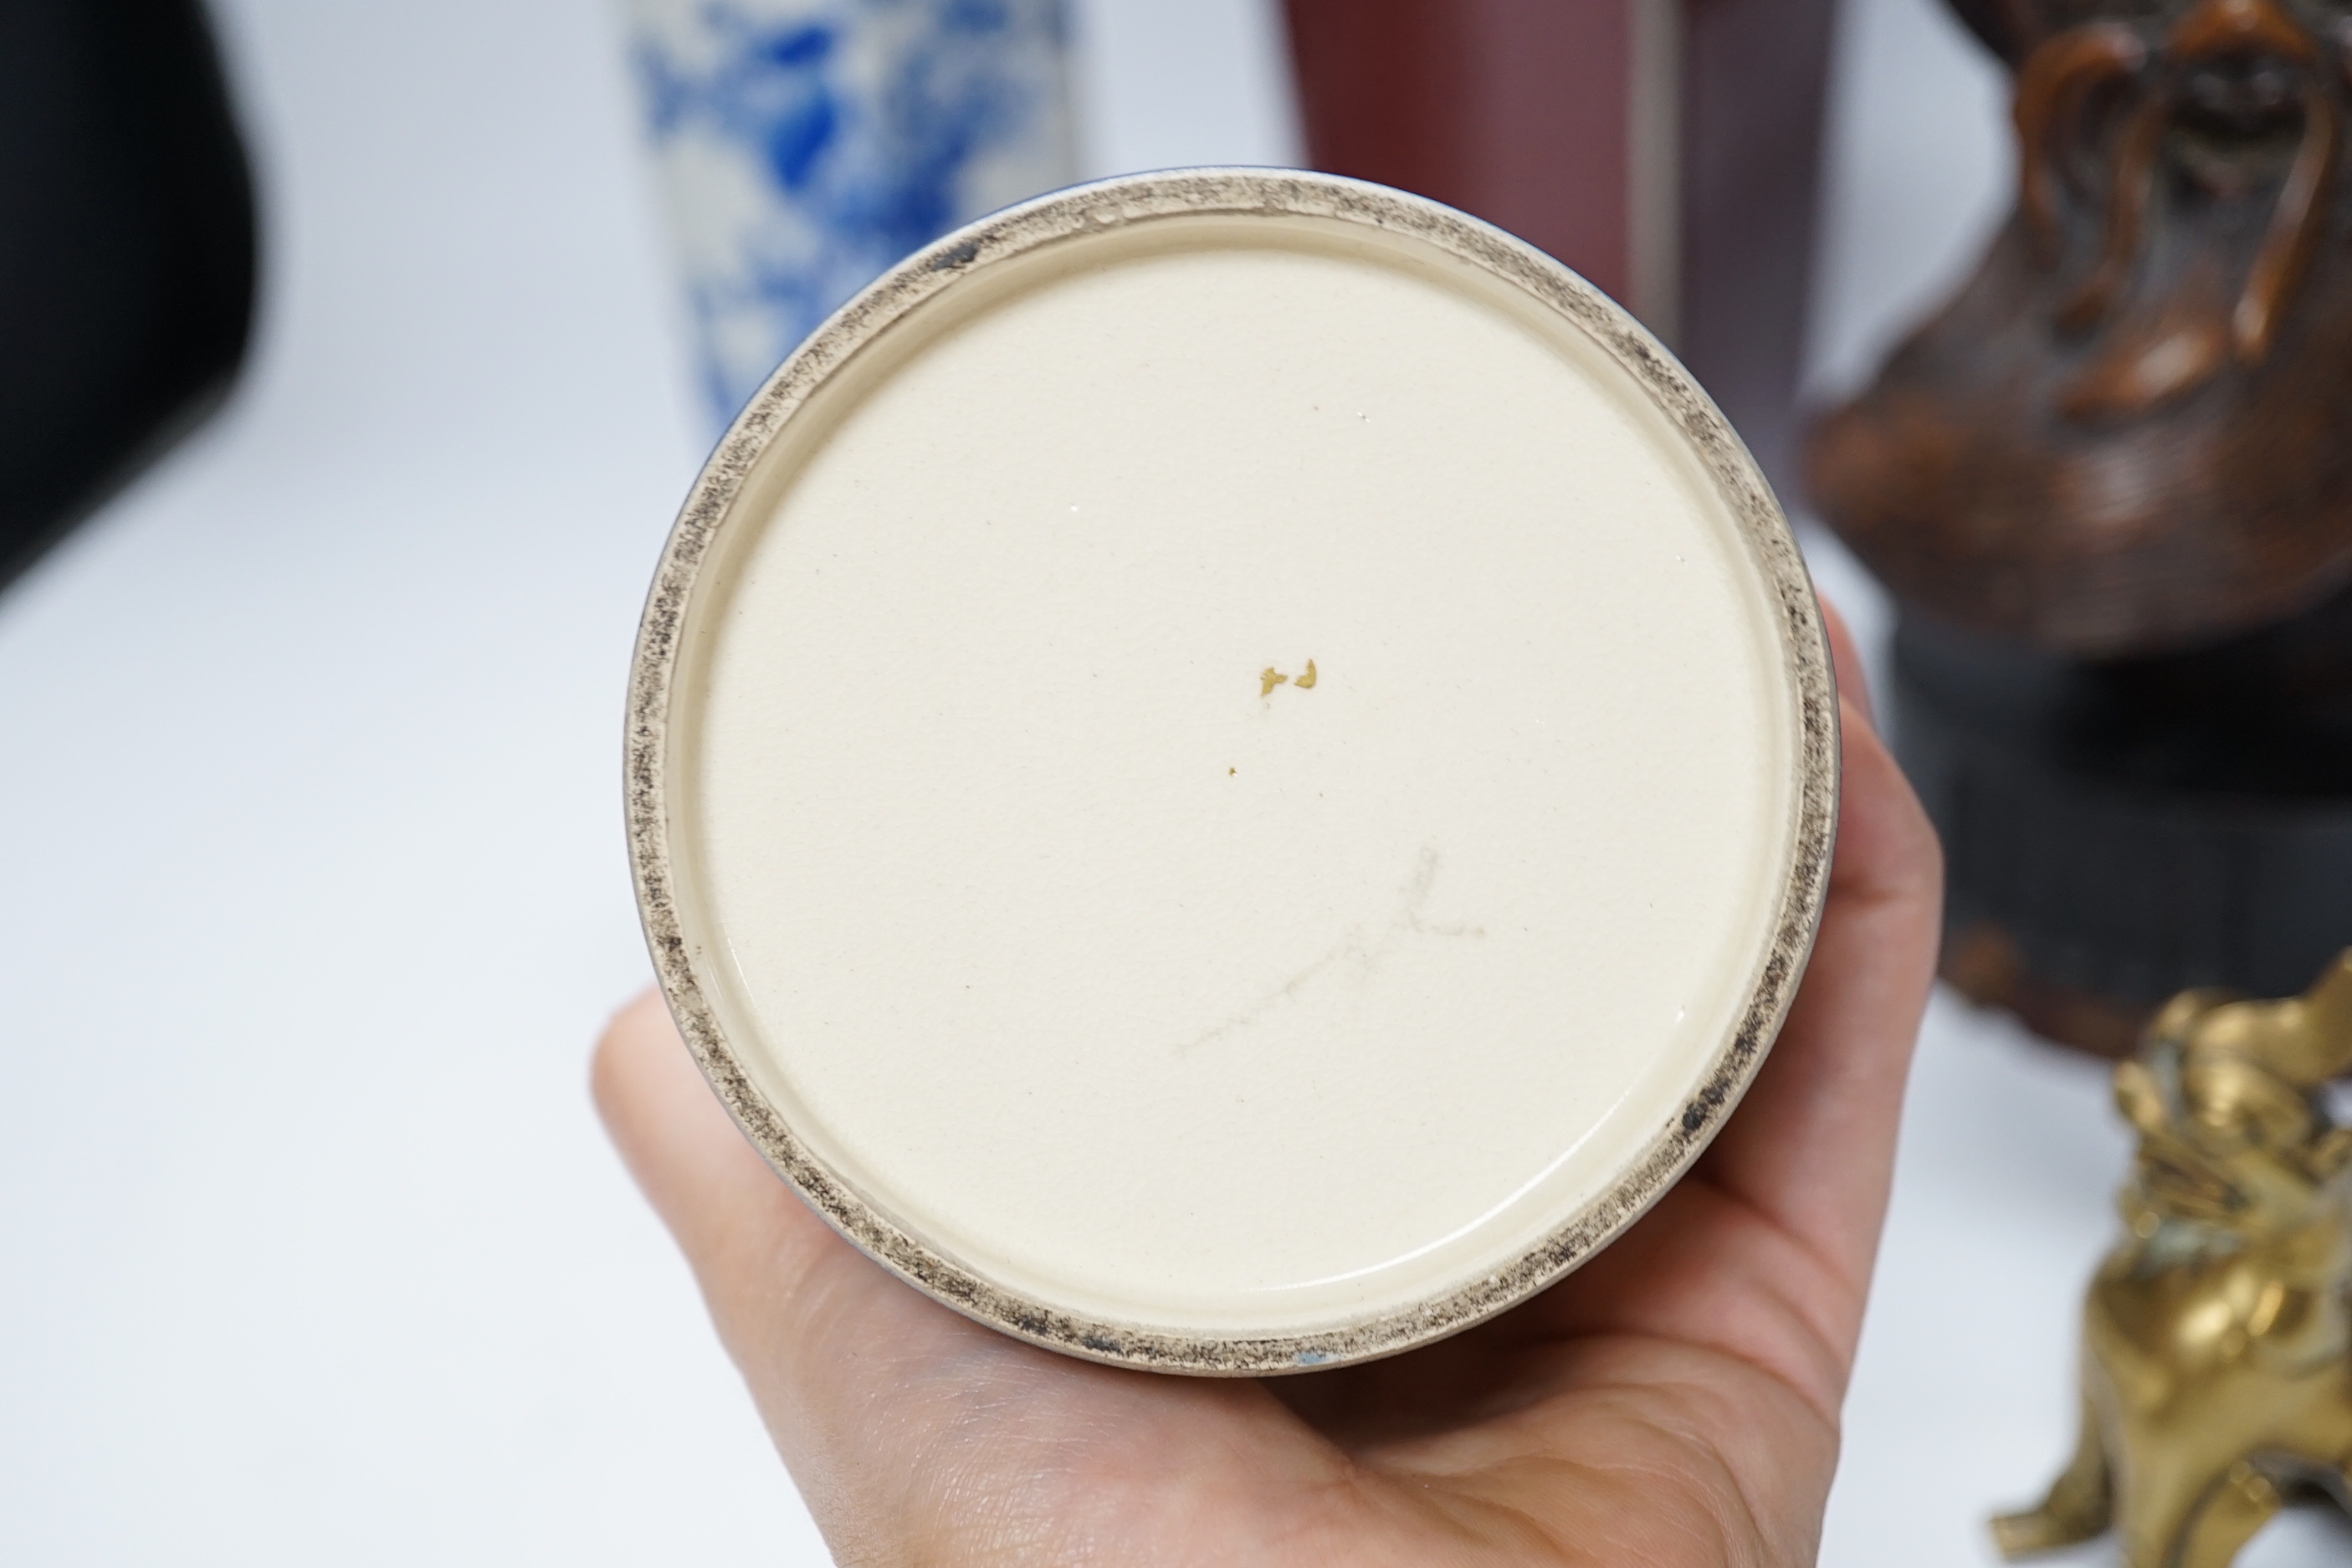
(1091, 210)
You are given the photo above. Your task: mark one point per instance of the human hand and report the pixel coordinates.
(1672, 1403)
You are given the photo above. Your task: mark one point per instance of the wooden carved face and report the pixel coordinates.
(2126, 111)
(2128, 432)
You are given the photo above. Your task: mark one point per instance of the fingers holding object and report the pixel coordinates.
(821, 1333)
(787, 1294)
(1845, 658)
(710, 1188)
(1813, 1147)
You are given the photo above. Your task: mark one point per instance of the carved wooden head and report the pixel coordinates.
(2132, 428)
(2236, 100)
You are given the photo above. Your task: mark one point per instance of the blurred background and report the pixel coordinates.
(310, 1248)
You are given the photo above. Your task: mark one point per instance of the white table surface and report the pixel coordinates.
(311, 1250)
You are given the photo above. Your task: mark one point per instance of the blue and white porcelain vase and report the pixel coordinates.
(804, 146)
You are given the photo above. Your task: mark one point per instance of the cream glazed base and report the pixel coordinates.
(1231, 771)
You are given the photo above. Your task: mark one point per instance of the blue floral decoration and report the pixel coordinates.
(809, 146)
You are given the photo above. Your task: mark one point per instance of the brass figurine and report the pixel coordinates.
(2217, 1339)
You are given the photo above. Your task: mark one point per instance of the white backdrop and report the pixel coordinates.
(311, 1250)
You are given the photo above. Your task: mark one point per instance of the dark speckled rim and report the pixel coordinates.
(710, 508)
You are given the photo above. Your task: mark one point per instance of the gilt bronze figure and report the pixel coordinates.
(2217, 1339)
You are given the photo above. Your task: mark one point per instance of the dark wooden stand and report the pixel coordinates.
(2118, 832)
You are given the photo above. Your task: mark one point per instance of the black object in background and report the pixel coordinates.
(126, 251)
(2115, 833)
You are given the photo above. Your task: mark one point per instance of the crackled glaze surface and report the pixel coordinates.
(1230, 772)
